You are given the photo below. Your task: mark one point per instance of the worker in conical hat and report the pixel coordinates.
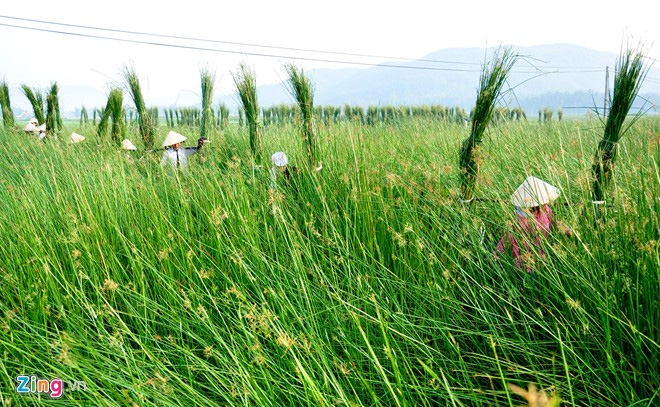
(127, 145)
(32, 128)
(76, 138)
(175, 154)
(534, 221)
(130, 150)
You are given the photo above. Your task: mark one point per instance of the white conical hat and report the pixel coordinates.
(172, 138)
(534, 192)
(76, 138)
(31, 127)
(42, 127)
(127, 145)
(34, 121)
(279, 159)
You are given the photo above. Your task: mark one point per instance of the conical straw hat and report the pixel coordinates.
(31, 127)
(127, 145)
(534, 192)
(76, 138)
(279, 159)
(42, 127)
(172, 138)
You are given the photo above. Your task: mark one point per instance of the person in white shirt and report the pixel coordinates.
(175, 155)
(280, 167)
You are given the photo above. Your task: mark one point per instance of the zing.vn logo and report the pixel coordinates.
(54, 388)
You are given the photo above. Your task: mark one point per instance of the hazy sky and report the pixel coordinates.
(408, 29)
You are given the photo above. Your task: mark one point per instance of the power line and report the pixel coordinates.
(238, 43)
(280, 47)
(162, 44)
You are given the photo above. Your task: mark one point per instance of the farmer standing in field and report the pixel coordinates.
(533, 195)
(280, 162)
(175, 155)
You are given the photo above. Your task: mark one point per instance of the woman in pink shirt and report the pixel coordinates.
(533, 226)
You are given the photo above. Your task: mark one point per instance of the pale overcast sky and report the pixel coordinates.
(408, 29)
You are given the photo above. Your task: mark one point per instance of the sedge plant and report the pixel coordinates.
(368, 286)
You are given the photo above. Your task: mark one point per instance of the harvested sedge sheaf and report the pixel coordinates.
(630, 74)
(246, 84)
(53, 118)
(208, 82)
(5, 103)
(115, 112)
(302, 89)
(492, 81)
(36, 100)
(147, 128)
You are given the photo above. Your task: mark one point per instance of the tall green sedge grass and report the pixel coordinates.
(208, 81)
(630, 74)
(302, 90)
(493, 78)
(36, 100)
(368, 286)
(145, 119)
(246, 85)
(5, 104)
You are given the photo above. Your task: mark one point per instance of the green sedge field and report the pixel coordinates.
(367, 283)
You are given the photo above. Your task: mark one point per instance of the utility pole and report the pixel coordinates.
(606, 101)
